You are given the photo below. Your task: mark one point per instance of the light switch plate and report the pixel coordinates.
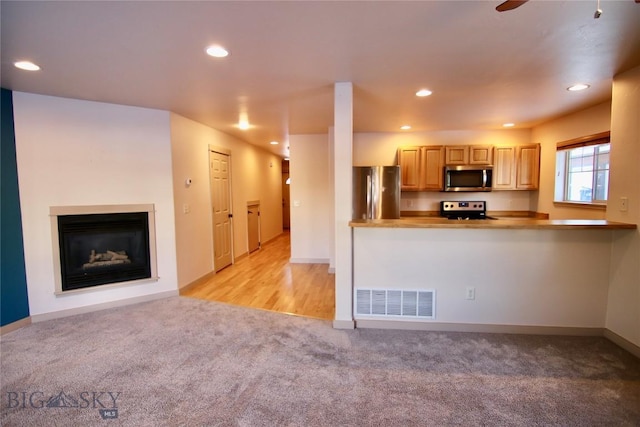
(624, 204)
(470, 293)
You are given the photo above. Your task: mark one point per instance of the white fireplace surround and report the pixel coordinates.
(56, 211)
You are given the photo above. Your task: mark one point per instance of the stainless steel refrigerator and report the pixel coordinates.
(376, 192)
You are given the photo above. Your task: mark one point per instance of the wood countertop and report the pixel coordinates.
(500, 223)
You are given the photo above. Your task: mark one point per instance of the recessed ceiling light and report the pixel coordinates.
(577, 87)
(508, 125)
(26, 65)
(217, 51)
(405, 127)
(243, 120)
(423, 92)
(274, 143)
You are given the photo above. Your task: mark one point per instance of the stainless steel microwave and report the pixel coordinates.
(468, 178)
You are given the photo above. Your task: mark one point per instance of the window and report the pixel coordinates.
(582, 170)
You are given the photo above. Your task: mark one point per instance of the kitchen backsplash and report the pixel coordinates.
(496, 200)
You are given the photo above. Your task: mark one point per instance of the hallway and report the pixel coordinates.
(265, 279)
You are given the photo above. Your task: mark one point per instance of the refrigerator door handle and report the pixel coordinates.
(369, 195)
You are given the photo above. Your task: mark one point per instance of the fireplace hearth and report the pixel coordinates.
(97, 249)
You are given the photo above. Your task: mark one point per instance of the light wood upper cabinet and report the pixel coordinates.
(516, 167)
(468, 155)
(410, 166)
(432, 163)
(528, 167)
(481, 154)
(456, 155)
(504, 168)
(421, 168)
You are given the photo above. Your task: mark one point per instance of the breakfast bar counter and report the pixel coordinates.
(499, 223)
(510, 274)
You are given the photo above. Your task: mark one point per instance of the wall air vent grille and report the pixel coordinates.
(396, 303)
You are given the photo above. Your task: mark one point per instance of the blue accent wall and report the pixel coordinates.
(14, 302)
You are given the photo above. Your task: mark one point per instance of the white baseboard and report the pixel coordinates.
(499, 329)
(15, 325)
(480, 328)
(196, 282)
(622, 342)
(97, 307)
(309, 260)
(344, 324)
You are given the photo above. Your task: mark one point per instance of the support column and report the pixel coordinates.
(342, 161)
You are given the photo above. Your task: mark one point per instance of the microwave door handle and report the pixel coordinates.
(484, 178)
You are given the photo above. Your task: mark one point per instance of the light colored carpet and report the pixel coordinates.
(182, 361)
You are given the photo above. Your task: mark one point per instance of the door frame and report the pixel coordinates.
(226, 152)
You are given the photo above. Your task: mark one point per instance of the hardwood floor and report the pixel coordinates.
(265, 279)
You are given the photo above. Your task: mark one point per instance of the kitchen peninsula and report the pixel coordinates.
(502, 223)
(505, 275)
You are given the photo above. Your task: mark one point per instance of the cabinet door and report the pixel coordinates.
(456, 155)
(528, 167)
(432, 163)
(481, 155)
(409, 161)
(504, 168)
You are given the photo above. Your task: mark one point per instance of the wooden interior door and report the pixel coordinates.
(221, 205)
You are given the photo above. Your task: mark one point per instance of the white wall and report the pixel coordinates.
(623, 315)
(311, 207)
(381, 149)
(582, 123)
(72, 152)
(256, 174)
(522, 277)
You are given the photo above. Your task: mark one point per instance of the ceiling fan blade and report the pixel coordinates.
(512, 4)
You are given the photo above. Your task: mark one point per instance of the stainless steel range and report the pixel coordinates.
(464, 210)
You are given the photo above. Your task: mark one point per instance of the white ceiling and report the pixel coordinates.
(484, 67)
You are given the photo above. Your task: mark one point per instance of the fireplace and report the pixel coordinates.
(102, 245)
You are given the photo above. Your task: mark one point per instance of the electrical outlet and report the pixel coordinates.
(624, 204)
(470, 293)
(409, 203)
(186, 208)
